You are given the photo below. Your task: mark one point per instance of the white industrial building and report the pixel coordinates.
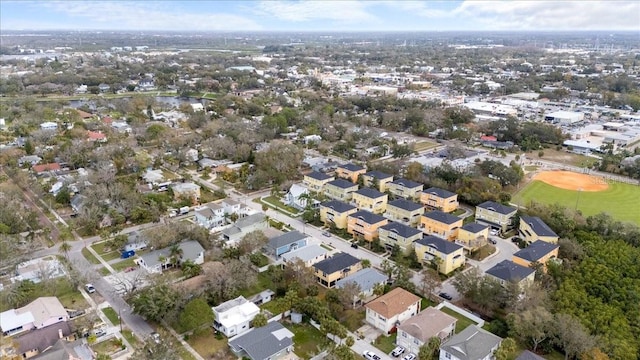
(491, 109)
(564, 117)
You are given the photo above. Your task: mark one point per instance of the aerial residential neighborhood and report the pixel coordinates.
(290, 180)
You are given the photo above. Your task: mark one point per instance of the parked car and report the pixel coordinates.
(354, 245)
(371, 355)
(156, 337)
(327, 234)
(409, 357)
(493, 241)
(397, 351)
(444, 295)
(515, 239)
(90, 289)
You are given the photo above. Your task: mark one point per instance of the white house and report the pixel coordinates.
(472, 343)
(309, 255)
(243, 226)
(210, 215)
(38, 314)
(158, 260)
(392, 308)
(37, 269)
(49, 126)
(233, 317)
(296, 197)
(430, 322)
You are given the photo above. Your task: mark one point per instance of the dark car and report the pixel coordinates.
(354, 245)
(493, 241)
(445, 296)
(515, 239)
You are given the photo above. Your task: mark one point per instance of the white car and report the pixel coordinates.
(90, 289)
(371, 355)
(397, 351)
(409, 357)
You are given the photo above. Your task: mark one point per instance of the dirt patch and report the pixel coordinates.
(572, 181)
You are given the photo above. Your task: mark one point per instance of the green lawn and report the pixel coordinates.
(386, 343)
(119, 266)
(424, 145)
(101, 248)
(274, 201)
(111, 256)
(353, 319)
(264, 282)
(463, 322)
(206, 344)
(89, 256)
(131, 338)
(619, 200)
(306, 340)
(111, 315)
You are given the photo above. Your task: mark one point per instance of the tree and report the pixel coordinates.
(152, 350)
(429, 281)
(191, 269)
(532, 326)
(175, 254)
(252, 241)
(154, 303)
(366, 263)
(63, 196)
(341, 352)
(506, 349)
(259, 320)
(64, 249)
(430, 350)
(594, 354)
(195, 314)
(571, 336)
(278, 163)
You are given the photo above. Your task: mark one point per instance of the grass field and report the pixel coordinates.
(619, 200)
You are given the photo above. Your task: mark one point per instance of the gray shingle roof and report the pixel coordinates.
(351, 167)
(365, 278)
(318, 175)
(337, 262)
(443, 246)
(472, 343)
(338, 206)
(370, 193)
(190, 250)
(368, 217)
(442, 193)
(405, 204)
(509, 271)
(497, 207)
(442, 217)
(263, 342)
(341, 183)
(285, 239)
(536, 251)
(528, 355)
(474, 227)
(538, 226)
(406, 183)
(378, 174)
(401, 229)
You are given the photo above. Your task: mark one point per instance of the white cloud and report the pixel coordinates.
(556, 15)
(148, 16)
(303, 11)
(418, 8)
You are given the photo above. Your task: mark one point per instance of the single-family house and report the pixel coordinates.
(96, 136)
(528, 355)
(366, 280)
(233, 317)
(472, 236)
(532, 228)
(350, 172)
(29, 159)
(243, 226)
(35, 270)
(210, 215)
(507, 271)
(71, 350)
(309, 255)
(186, 190)
(192, 155)
(34, 342)
(158, 260)
(377, 179)
(38, 314)
(404, 211)
(48, 125)
(446, 255)
(337, 267)
(154, 177)
(391, 309)
(77, 203)
(43, 169)
(364, 224)
(539, 252)
(232, 206)
(495, 215)
(298, 197)
(334, 213)
(371, 200)
(429, 323)
(405, 189)
(472, 343)
(395, 233)
(135, 241)
(315, 181)
(340, 189)
(441, 224)
(439, 199)
(286, 242)
(270, 342)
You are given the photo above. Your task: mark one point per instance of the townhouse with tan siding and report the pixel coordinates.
(532, 228)
(350, 172)
(315, 181)
(440, 224)
(472, 236)
(340, 189)
(447, 255)
(371, 200)
(497, 216)
(405, 189)
(404, 211)
(334, 213)
(439, 199)
(377, 179)
(395, 233)
(364, 224)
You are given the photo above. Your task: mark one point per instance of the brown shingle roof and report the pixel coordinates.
(393, 303)
(427, 324)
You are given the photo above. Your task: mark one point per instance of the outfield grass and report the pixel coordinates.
(620, 200)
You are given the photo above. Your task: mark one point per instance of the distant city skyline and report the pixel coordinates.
(325, 16)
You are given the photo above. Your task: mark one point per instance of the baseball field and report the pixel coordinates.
(589, 194)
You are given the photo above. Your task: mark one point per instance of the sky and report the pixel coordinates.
(310, 15)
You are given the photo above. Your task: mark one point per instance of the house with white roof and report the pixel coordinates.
(210, 216)
(233, 317)
(309, 255)
(296, 196)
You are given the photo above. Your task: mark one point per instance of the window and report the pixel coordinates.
(416, 341)
(447, 355)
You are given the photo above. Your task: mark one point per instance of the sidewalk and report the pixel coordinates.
(113, 328)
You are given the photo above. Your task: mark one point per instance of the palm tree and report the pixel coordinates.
(175, 254)
(64, 249)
